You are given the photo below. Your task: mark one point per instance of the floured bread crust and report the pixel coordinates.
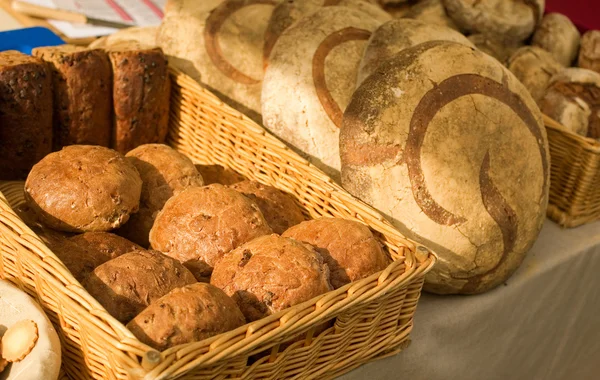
(558, 35)
(589, 53)
(534, 67)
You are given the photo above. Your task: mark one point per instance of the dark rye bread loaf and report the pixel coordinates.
(141, 91)
(25, 113)
(456, 155)
(82, 84)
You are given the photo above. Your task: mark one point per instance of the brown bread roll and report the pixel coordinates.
(589, 53)
(534, 67)
(83, 188)
(447, 160)
(279, 209)
(310, 79)
(271, 273)
(105, 244)
(349, 248)
(557, 34)
(189, 314)
(128, 284)
(201, 224)
(82, 82)
(431, 12)
(494, 47)
(25, 113)
(219, 174)
(164, 172)
(141, 92)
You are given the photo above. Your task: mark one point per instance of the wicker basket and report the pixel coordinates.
(575, 176)
(369, 319)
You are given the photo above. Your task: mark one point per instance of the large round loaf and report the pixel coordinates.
(310, 79)
(455, 155)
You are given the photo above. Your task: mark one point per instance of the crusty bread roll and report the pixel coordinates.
(557, 34)
(271, 273)
(219, 174)
(534, 67)
(431, 12)
(201, 224)
(83, 188)
(494, 46)
(397, 35)
(128, 284)
(105, 244)
(189, 314)
(349, 248)
(164, 172)
(279, 209)
(589, 53)
(444, 151)
(145, 36)
(310, 79)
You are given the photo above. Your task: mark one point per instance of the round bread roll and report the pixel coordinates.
(271, 273)
(397, 35)
(164, 172)
(557, 34)
(128, 284)
(104, 244)
(501, 50)
(201, 224)
(188, 314)
(573, 99)
(507, 20)
(219, 174)
(431, 12)
(444, 151)
(589, 53)
(349, 248)
(279, 209)
(145, 36)
(310, 79)
(83, 188)
(289, 12)
(534, 67)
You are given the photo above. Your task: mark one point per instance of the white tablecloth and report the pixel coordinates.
(544, 323)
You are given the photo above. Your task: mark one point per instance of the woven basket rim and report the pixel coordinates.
(588, 143)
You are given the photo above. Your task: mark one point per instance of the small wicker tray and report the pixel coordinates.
(369, 319)
(575, 176)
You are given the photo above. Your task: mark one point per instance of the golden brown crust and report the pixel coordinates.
(279, 209)
(271, 273)
(348, 248)
(19, 340)
(188, 314)
(128, 284)
(83, 188)
(219, 174)
(105, 244)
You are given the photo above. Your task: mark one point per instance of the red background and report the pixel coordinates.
(585, 14)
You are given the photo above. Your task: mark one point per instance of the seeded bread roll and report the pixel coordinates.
(128, 284)
(82, 82)
(557, 34)
(141, 91)
(589, 53)
(495, 47)
(219, 174)
(279, 209)
(83, 188)
(271, 273)
(201, 224)
(25, 113)
(431, 12)
(349, 248)
(184, 315)
(534, 67)
(164, 172)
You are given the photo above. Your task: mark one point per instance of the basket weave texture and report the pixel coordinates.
(368, 319)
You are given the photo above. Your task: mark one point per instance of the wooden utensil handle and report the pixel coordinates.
(48, 13)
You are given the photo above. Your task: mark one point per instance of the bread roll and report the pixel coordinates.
(271, 273)
(557, 34)
(431, 12)
(164, 172)
(589, 53)
(25, 113)
(534, 67)
(105, 244)
(189, 314)
(397, 35)
(82, 82)
(349, 248)
(128, 284)
(310, 79)
(145, 36)
(83, 188)
(201, 224)
(141, 92)
(445, 152)
(494, 47)
(219, 174)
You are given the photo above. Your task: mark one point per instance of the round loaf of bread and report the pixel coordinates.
(534, 67)
(189, 314)
(128, 284)
(83, 188)
(557, 34)
(507, 20)
(573, 99)
(492, 46)
(279, 209)
(589, 52)
(164, 172)
(431, 12)
(397, 35)
(219, 174)
(349, 248)
(310, 79)
(201, 224)
(456, 155)
(104, 244)
(271, 273)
